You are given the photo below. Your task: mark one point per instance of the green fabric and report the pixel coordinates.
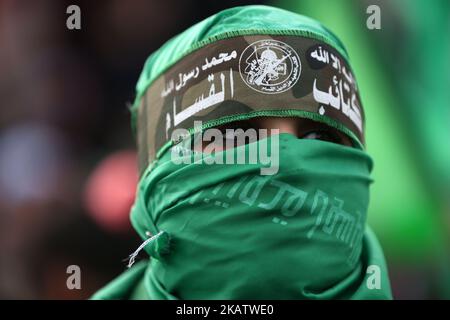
(123, 286)
(227, 232)
(246, 20)
(234, 234)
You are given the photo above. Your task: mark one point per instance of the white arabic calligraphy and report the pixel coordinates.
(216, 61)
(185, 77)
(321, 55)
(202, 103)
(335, 97)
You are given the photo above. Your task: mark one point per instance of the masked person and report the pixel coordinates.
(216, 229)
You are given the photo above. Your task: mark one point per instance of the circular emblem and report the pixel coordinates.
(269, 66)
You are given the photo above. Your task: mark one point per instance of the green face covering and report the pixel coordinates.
(235, 234)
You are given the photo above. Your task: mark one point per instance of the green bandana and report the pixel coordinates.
(226, 232)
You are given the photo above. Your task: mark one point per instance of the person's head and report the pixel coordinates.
(222, 228)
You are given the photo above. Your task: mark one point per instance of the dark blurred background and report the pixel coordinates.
(67, 155)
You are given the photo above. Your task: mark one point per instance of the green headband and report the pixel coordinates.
(241, 63)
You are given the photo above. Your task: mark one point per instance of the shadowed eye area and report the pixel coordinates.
(324, 135)
(243, 132)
